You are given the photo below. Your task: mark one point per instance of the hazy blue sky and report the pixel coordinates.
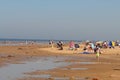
(60, 19)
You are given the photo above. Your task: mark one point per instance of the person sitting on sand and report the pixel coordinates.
(105, 45)
(60, 45)
(77, 46)
(85, 51)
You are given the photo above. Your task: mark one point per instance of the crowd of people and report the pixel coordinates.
(59, 45)
(89, 47)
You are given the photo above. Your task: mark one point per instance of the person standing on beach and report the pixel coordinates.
(110, 44)
(98, 53)
(113, 44)
(51, 43)
(71, 45)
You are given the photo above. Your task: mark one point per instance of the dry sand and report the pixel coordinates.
(108, 68)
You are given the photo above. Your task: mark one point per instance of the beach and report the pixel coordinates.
(59, 40)
(82, 67)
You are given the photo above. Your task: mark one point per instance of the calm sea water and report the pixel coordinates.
(14, 42)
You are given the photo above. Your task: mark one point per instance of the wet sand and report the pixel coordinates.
(107, 68)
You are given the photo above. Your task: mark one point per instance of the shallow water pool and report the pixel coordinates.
(14, 71)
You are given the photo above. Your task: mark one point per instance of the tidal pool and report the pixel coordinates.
(14, 71)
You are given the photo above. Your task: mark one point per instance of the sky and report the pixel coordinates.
(60, 19)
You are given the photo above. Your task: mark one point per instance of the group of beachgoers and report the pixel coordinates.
(59, 45)
(92, 47)
(89, 46)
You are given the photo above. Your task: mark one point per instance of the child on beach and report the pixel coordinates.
(98, 52)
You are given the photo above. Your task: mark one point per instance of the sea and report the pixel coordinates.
(15, 42)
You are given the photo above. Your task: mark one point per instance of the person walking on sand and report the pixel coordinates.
(98, 53)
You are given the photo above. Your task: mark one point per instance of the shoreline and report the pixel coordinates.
(16, 54)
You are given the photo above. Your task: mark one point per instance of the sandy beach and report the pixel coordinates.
(107, 68)
(59, 40)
